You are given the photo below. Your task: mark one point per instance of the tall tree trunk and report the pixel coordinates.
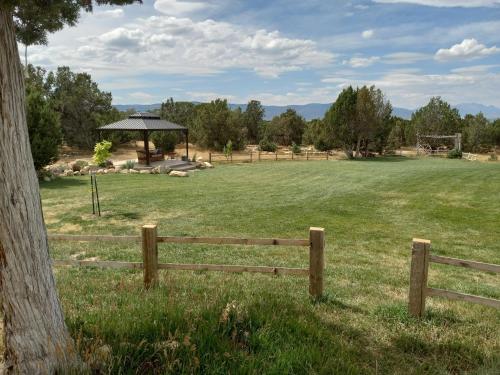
(36, 338)
(358, 146)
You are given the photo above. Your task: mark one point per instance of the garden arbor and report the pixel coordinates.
(145, 123)
(423, 145)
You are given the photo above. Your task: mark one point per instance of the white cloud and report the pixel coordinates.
(367, 34)
(405, 57)
(445, 3)
(203, 96)
(141, 96)
(468, 49)
(475, 69)
(171, 45)
(361, 62)
(110, 13)
(414, 89)
(180, 7)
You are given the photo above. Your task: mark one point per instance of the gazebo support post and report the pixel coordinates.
(146, 146)
(187, 145)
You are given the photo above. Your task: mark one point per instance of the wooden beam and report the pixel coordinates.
(418, 276)
(187, 144)
(465, 263)
(86, 238)
(316, 261)
(146, 146)
(433, 292)
(234, 241)
(96, 263)
(185, 267)
(150, 255)
(235, 268)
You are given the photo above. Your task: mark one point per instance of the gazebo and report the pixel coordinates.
(146, 122)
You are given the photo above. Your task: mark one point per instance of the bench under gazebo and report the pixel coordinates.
(147, 122)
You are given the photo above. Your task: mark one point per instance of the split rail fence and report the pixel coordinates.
(419, 291)
(257, 156)
(150, 266)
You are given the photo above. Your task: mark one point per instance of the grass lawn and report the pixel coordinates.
(219, 323)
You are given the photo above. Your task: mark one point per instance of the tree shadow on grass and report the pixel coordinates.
(334, 302)
(126, 215)
(384, 159)
(452, 355)
(61, 183)
(274, 336)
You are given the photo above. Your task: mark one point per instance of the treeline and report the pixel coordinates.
(360, 122)
(68, 107)
(64, 106)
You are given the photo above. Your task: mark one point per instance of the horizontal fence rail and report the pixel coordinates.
(434, 292)
(150, 264)
(419, 290)
(465, 263)
(235, 268)
(89, 238)
(234, 241)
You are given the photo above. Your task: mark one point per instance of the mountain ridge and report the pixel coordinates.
(317, 110)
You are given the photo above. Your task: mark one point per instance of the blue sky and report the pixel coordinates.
(286, 51)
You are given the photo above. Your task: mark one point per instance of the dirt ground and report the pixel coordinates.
(128, 152)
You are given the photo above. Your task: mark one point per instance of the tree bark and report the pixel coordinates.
(36, 338)
(358, 145)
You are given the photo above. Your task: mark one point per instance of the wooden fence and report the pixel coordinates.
(255, 156)
(150, 266)
(419, 291)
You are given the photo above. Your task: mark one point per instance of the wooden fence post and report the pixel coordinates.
(259, 155)
(307, 155)
(251, 157)
(418, 276)
(210, 157)
(276, 155)
(150, 255)
(316, 261)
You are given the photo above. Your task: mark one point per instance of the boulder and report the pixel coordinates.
(134, 171)
(156, 170)
(164, 170)
(178, 174)
(208, 165)
(145, 171)
(124, 171)
(100, 171)
(47, 179)
(84, 173)
(75, 167)
(110, 170)
(199, 160)
(68, 172)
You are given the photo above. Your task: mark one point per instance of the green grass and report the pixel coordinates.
(218, 323)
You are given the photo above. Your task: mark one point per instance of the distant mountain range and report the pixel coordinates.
(317, 110)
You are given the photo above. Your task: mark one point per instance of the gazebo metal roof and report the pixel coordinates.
(143, 121)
